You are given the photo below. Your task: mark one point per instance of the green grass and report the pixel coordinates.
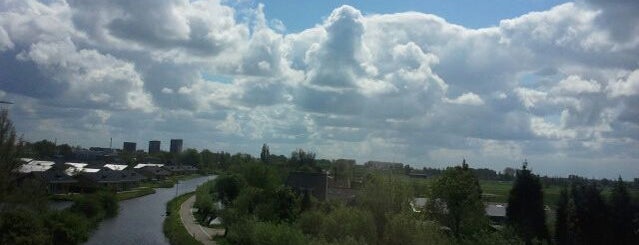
(173, 228)
(142, 191)
(169, 182)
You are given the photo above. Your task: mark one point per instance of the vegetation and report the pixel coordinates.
(142, 191)
(525, 212)
(584, 216)
(173, 228)
(460, 194)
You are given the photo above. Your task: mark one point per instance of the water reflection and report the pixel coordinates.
(140, 219)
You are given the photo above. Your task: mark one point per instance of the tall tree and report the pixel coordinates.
(190, 157)
(265, 155)
(590, 222)
(621, 215)
(9, 152)
(525, 211)
(460, 194)
(43, 149)
(302, 160)
(562, 227)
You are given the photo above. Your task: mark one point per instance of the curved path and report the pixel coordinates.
(200, 233)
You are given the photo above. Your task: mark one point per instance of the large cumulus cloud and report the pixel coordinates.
(559, 87)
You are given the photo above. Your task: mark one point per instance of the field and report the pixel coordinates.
(497, 191)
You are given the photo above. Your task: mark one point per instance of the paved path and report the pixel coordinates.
(200, 233)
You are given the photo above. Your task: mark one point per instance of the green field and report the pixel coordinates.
(497, 191)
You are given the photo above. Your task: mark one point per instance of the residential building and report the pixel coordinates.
(154, 146)
(315, 184)
(153, 172)
(129, 147)
(176, 145)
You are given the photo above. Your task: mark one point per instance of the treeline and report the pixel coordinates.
(260, 209)
(584, 216)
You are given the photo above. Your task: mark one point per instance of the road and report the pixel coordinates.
(200, 233)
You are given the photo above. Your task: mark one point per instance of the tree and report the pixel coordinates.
(525, 212)
(227, 188)
(621, 215)
(562, 218)
(458, 192)
(190, 157)
(384, 196)
(65, 151)
(9, 152)
(43, 149)
(590, 222)
(265, 155)
(302, 160)
(208, 159)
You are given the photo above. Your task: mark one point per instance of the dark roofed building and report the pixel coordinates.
(111, 179)
(154, 172)
(315, 184)
(57, 181)
(180, 169)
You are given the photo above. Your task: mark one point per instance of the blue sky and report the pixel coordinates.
(427, 83)
(300, 15)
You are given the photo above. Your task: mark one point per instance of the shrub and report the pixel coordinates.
(276, 234)
(67, 227)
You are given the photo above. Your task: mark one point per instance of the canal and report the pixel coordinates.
(139, 220)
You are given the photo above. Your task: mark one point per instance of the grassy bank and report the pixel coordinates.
(142, 191)
(173, 228)
(170, 181)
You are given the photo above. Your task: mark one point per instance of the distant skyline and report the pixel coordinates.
(418, 82)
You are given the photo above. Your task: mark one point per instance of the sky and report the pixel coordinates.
(426, 83)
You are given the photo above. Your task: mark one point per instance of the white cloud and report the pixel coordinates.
(466, 99)
(561, 82)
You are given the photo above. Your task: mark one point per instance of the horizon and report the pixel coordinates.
(553, 82)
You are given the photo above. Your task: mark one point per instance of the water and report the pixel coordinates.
(140, 219)
(59, 205)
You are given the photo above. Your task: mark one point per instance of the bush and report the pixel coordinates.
(344, 222)
(67, 227)
(21, 226)
(406, 229)
(108, 202)
(277, 234)
(88, 206)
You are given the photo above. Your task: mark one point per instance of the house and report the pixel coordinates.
(141, 165)
(115, 166)
(110, 179)
(315, 184)
(383, 165)
(57, 181)
(35, 166)
(153, 172)
(180, 169)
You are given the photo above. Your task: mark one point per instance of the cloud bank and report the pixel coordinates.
(559, 87)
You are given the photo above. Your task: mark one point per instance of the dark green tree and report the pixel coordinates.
(227, 188)
(9, 152)
(302, 160)
(208, 160)
(43, 149)
(265, 155)
(562, 227)
(621, 215)
(525, 211)
(65, 151)
(590, 222)
(190, 157)
(460, 194)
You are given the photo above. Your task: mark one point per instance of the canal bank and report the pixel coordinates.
(140, 219)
